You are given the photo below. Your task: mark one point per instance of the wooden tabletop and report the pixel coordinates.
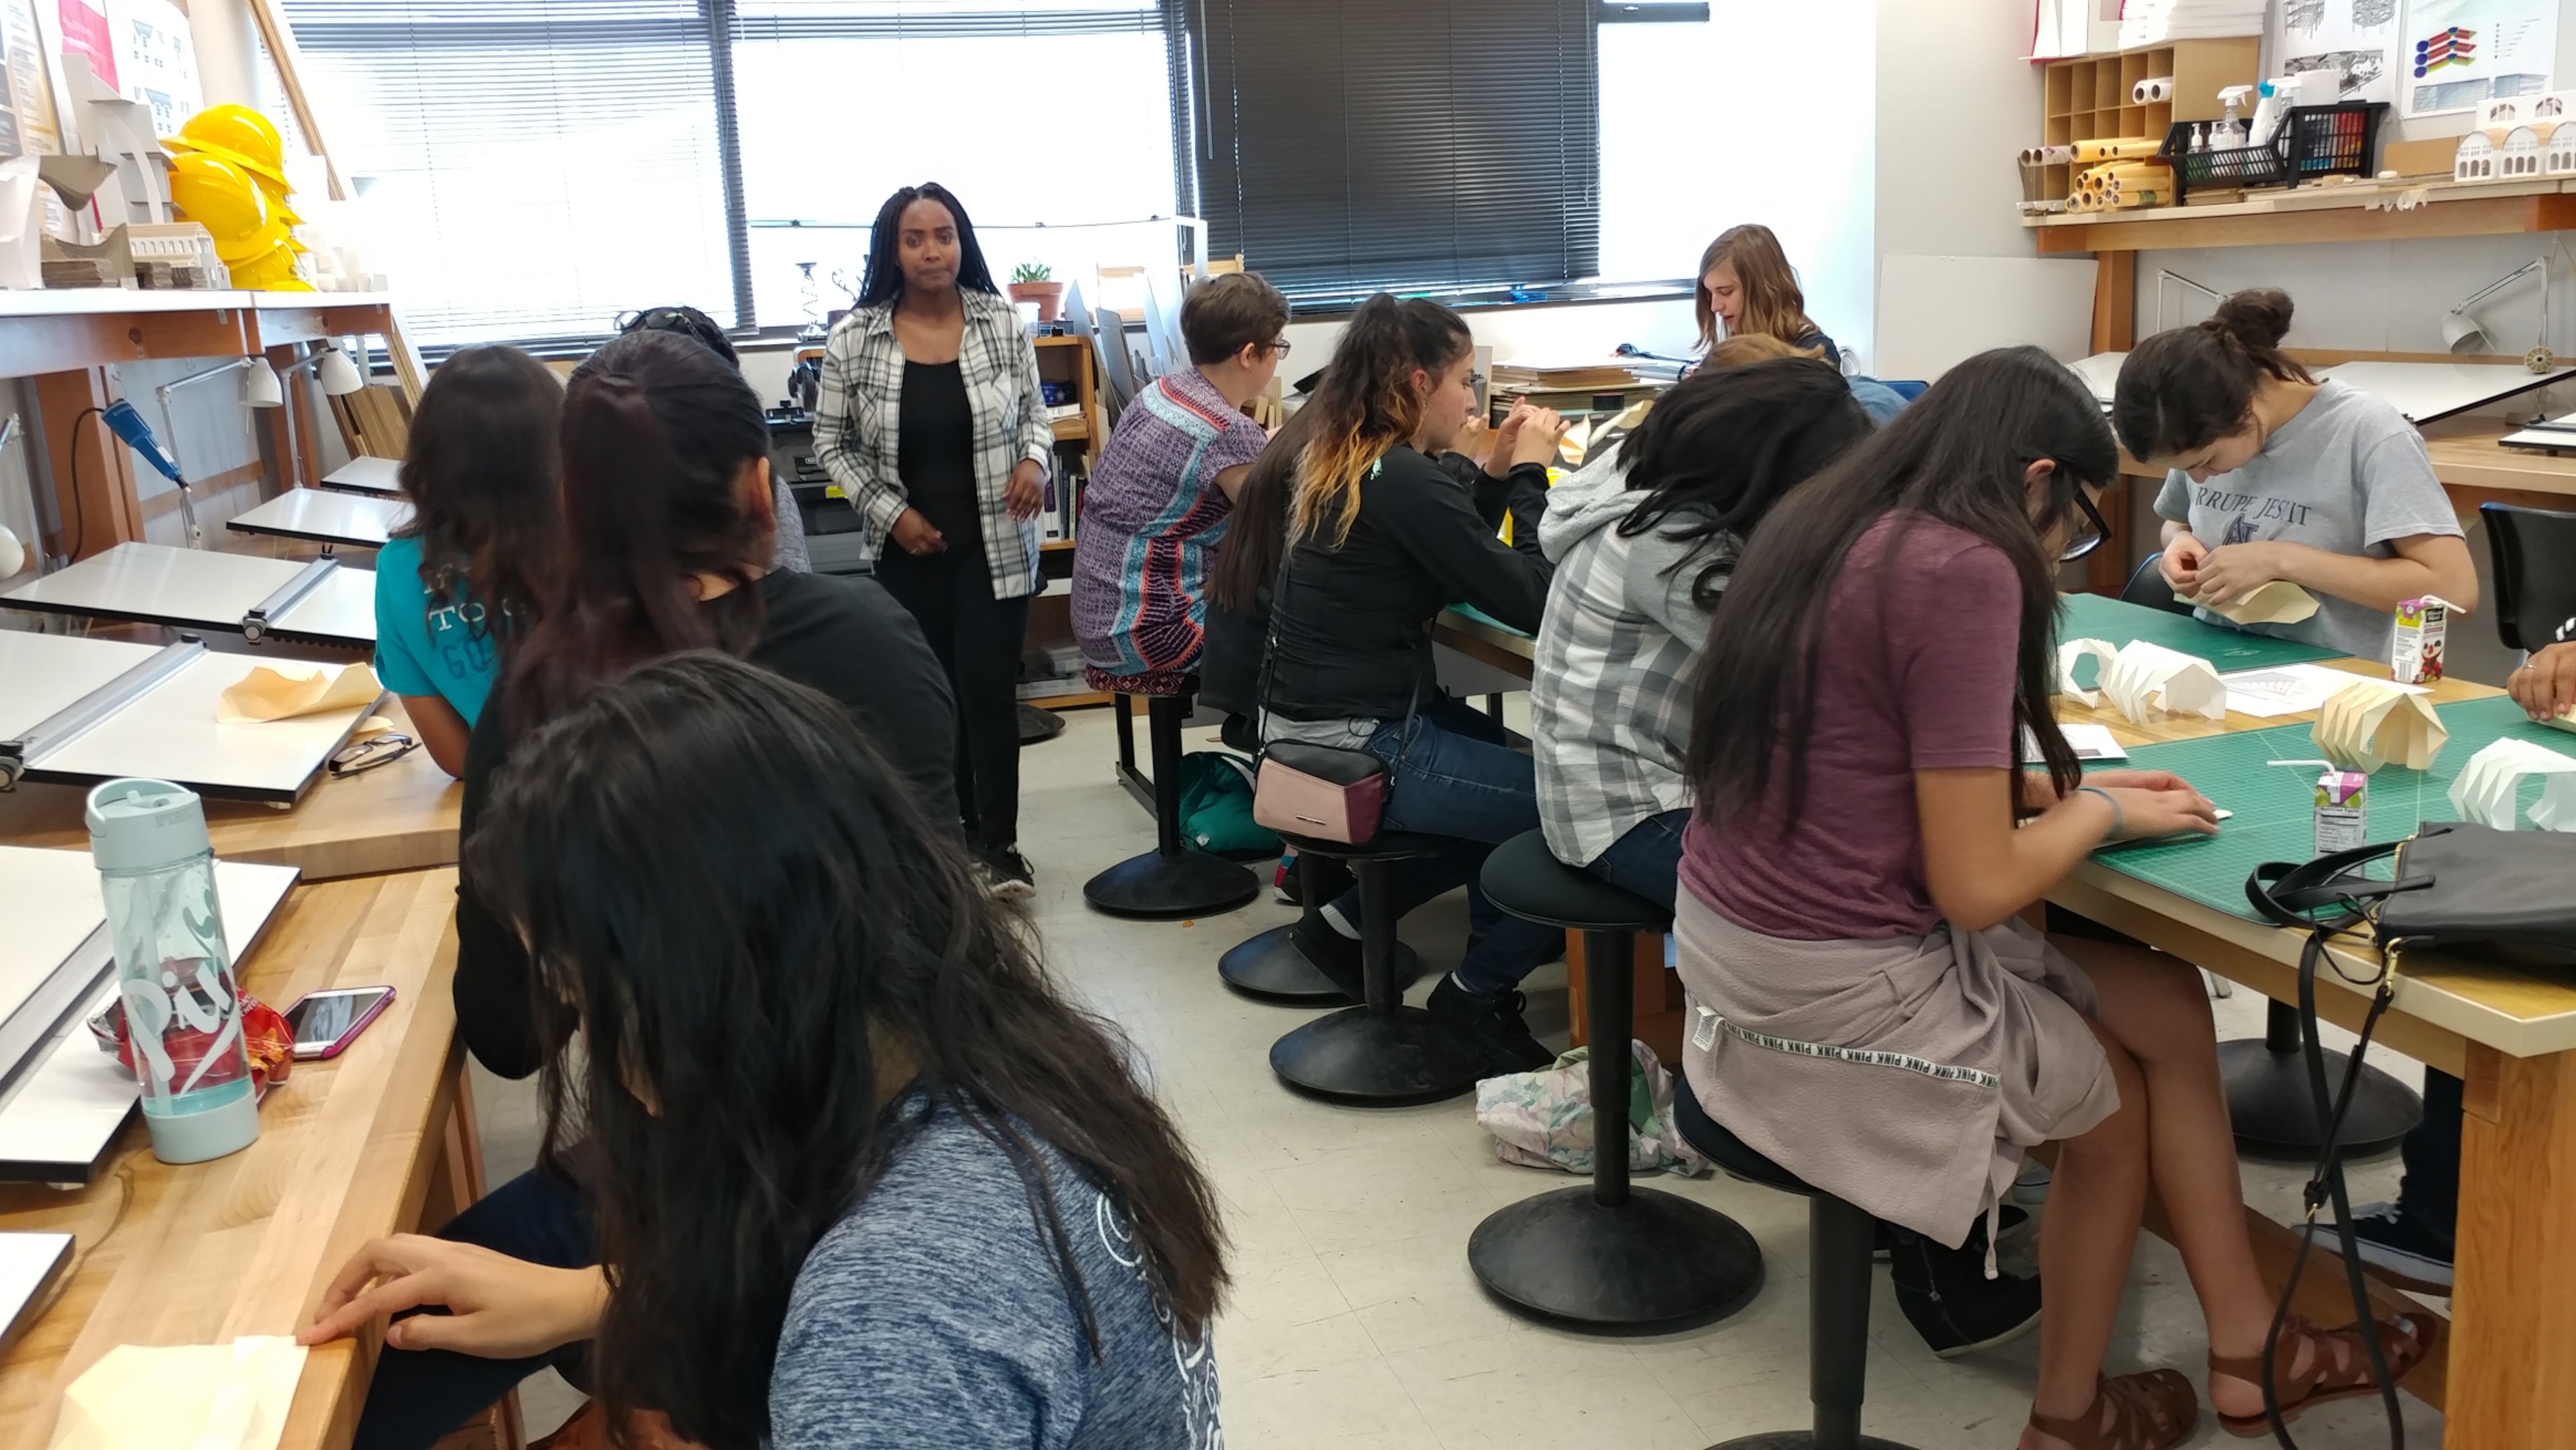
(399, 817)
(348, 1150)
(2475, 467)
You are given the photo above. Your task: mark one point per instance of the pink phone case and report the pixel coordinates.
(341, 1043)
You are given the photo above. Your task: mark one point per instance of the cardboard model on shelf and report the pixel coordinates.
(2368, 724)
(2489, 788)
(2144, 682)
(2519, 138)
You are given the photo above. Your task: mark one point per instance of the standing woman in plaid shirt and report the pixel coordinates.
(931, 423)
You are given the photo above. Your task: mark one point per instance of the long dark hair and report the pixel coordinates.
(1248, 558)
(884, 281)
(656, 430)
(753, 917)
(1958, 456)
(480, 473)
(1724, 445)
(1367, 406)
(2186, 387)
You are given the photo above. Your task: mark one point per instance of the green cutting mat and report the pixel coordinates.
(2091, 616)
(2275, 805)
(1481, 617)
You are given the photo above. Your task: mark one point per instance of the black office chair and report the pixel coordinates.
(1606, 1256)
(1841, 1240)
(2534, 552)
(2148, 587)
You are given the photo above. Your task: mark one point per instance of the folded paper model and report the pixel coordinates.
(272, 693)
(2279, 602)
(2489, 788)
(2368, 724)
(2145, 682)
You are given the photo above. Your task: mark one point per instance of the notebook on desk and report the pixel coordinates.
(30, 1265)
(2548, 435)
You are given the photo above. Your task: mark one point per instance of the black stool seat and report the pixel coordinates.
(1841, 1242)
(1381, 1052)
(1607, 1256)
(1174, 879)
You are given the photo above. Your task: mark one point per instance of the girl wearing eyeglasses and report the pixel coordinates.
(1867, 1008)
(2274, 474)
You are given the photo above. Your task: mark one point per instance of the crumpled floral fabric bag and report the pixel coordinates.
(1543, 1119)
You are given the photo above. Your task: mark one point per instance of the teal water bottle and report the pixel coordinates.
(174, 972)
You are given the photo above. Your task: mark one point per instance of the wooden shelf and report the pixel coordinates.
(2361, 212)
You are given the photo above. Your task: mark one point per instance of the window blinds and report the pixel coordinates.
(1349, 146)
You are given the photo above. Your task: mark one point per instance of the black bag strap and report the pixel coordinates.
(2290, 895)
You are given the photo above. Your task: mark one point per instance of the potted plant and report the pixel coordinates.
(1030, 283)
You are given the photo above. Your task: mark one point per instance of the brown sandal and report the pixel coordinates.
(2338, 1366)
(2151, 1411)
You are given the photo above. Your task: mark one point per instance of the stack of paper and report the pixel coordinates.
(2161, 22)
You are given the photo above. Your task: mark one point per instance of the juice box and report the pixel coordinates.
(2343, 811)
(2415, 655)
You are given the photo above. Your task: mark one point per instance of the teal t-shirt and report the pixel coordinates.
(421, 650)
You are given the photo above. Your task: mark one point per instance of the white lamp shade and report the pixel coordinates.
(339, 377)
(260, 387)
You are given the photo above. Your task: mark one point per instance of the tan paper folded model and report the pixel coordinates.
(269, 693)
(2279, 602)
(200, 1396)
(2144, 682)
(2367, 725)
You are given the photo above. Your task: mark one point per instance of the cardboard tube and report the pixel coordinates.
(2117, 148)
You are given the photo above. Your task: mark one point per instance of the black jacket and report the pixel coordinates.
(844, 637)
(1354, 623)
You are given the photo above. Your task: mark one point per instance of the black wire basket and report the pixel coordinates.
(2314, 141)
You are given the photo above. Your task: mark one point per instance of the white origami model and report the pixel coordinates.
(2367, 725)
(2488, 787)
(2146, 682)
(2565, 720)
(2279, 602)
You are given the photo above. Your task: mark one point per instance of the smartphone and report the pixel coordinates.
(326, 1022)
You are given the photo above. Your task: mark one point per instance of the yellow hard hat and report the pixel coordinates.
(274, 272)
(245, 246)
(236, 134)
(218, 195)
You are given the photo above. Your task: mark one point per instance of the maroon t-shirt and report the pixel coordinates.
(1918, 674)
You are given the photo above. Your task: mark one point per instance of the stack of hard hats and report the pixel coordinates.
(227, 173)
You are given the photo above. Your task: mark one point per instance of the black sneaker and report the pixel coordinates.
(2401, 1246)
(1336, 956)
(1949, 1300)
(1493, 1022)
(1889, 1235)
(1006, 873)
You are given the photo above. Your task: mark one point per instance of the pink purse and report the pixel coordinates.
(1320, 791)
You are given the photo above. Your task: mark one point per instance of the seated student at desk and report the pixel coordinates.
(1164, 491)
(865, 1179)
(459, 584)
(666, 504)
(1747, 286)
(1380, 539)
(2271, 474)
(1871, 1013)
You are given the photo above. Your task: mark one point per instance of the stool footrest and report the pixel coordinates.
(1403, 1056)
(1269, 967)
(1184, 883)
(1657, 1261)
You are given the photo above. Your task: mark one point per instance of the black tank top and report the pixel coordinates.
(935, 450)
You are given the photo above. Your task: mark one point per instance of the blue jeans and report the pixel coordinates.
(419, 1395)
(1647, 861)
(1457, 778)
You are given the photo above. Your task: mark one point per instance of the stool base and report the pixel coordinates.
(1801, 1440)
(1403, 1056)
(2274, 1115)
(1185, 883)
(1270, 968)
(1655, 1262)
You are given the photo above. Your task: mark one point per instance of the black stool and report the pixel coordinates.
(2269, 1106)
(1608, 1256)
(1840, 1241)
(1268, 966)
(1382, 1052)
(1174, 879)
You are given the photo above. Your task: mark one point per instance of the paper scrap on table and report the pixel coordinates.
(2279, 602)
(268, 693)
(371, 727)
(197, 1396)
(2293, 689)
(2090, 742)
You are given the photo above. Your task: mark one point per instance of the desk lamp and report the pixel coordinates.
(339, 378)
(2163, 276)
(260, 390)
(2463, 332)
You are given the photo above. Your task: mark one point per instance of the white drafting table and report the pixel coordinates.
(199, 589)
(366, 475)
(2430, 392)
(2101, 373)
(2552, 436)
(65, 1109)
(359, 520)
(167, 730)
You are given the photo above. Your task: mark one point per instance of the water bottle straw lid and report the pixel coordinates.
(140, 825)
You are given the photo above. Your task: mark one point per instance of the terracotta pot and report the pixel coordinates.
(1049, 296)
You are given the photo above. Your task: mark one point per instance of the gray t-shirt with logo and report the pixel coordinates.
(2346, 475)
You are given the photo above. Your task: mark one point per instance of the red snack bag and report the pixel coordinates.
(266, 1038)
